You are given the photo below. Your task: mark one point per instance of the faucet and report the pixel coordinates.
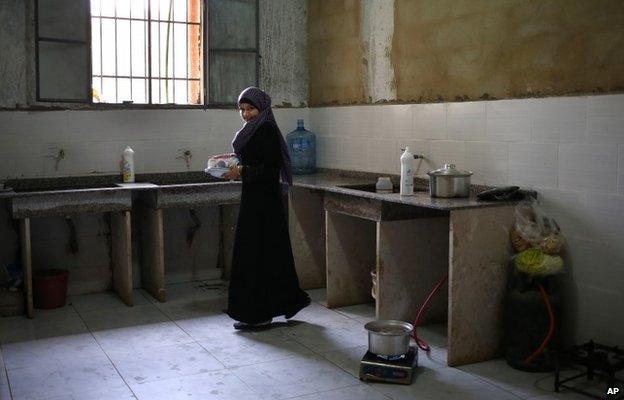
(417, 156)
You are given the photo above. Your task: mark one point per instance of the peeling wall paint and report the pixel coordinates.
(481, 49)
(335, 52)
(283, 51)
(12, 53)
(458, 50)
(377, 33)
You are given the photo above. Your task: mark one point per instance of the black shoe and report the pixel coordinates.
(304, 305)
(246, 326)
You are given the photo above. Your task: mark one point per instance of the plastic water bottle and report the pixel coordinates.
(302, 148)
(407, 173)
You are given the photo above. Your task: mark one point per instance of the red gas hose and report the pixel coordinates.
(421, 343)
(551, 328)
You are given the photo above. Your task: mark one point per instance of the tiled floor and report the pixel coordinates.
(97, 348)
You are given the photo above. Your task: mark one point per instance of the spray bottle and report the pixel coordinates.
(407, 173)
(128, 165)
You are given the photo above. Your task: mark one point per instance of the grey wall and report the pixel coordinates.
(12, 53)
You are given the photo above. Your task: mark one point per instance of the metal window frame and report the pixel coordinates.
(206, 50)
(86, 43)
(209, 50)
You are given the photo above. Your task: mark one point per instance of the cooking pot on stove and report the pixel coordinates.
(388, 338)
(448, 181)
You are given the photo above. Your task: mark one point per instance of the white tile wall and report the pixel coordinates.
(447, 152)
(621, 169)
(560, 120)
(533, 164)
(466, 121)
(508, 120)
(488, 161)
(429, 121)
(605, 119)
(588, 167)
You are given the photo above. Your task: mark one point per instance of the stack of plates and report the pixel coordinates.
(217, 172)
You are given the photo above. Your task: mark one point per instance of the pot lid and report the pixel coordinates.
(449, 170)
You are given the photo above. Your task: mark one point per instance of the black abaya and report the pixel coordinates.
(263, 282)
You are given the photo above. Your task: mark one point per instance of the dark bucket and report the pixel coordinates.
(50, 288)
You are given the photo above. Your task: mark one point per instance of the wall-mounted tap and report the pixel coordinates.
(58, 157)
(417, 156)
(186, 156)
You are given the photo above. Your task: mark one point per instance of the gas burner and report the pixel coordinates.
(401, 370)
(597, 360)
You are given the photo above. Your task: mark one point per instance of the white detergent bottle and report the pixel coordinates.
(128, 165)
(407, 173)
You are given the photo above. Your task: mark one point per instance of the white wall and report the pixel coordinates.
(570, 149)
(93, 140)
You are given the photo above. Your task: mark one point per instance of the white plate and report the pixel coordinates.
(217, 172)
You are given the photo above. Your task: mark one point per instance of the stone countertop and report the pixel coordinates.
(196, 182)
(332, 180)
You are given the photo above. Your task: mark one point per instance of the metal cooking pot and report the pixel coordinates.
(388, 337)
(448, 181)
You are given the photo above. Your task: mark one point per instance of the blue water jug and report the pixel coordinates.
(302, 148)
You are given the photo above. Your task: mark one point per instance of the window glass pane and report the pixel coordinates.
(138, 9)
(155, 65)
(95, 8)
(139, 50)
(229, 74)
(181, 50)
(123, 89)
(166, 91)
(180, 92)
(155, 91)
(109, 92)
(95, 47)
(179, 11)
(232, 24)
(139, 91)
(97, 90)
(108, 47)
(166, 50)
(54, 21)
(123, 47)
(123, 8)
(108, 8)
(62, 68)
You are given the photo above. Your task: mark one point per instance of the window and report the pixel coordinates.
(147, 51)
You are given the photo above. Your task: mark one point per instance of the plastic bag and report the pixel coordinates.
(533, 228)
(534, 261)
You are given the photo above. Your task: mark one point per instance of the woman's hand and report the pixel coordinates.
(234, 173)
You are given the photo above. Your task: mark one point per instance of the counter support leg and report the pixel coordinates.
(121, 243)
(478, 262)
(26, 264)
(153, 263)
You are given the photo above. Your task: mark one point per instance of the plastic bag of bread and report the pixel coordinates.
(533, 228)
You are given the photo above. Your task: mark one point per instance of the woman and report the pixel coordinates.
(263, 282)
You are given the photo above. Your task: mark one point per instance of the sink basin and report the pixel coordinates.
(367, 187)
(45, 188)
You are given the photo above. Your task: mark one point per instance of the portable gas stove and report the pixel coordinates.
(596, 360)
(399, 369)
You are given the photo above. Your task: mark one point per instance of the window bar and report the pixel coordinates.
(149, 51)
(144, 19)
(186, 63)
(159, 66)
(116, 58)
(131, 94)
(101, 59)
(173, 60)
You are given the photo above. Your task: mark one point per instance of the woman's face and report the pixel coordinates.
(247, 111)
